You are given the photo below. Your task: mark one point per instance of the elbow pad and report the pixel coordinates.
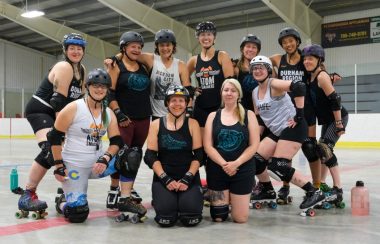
(335, 101)
(298, 89)
(117, 140)
(111, 95)
(198, 155)
(58, 101)
(55, 137)
(150, 157)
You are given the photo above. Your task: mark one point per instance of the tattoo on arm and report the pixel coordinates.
(55, 85)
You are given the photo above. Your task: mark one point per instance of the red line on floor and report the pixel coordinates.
(53, 222)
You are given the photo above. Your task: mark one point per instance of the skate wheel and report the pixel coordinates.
(135, 219)
(341, 205)
(311, 213)
(206, 203)
(290, 199)
(21, 214)
(281, 201)
(272, 205)
(326, 205)
(36, 215)
(257, 205)
(122, 217)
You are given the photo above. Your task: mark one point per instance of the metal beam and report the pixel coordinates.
(298, 15)
(153, 21)
(54, 31)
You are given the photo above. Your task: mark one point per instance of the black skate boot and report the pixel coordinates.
(60, 198)
(263, 196)
(112, 198)
(29, 202)
(313, 198)
(135, 196)
(257, 189)
(283, 195)
(128, 205)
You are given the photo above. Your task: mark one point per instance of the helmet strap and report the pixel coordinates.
(176, 117)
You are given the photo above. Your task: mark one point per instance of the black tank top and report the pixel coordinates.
(321, 103)
(132, 92)
(248, 84)
(45, 90)
(230, 141)
(210, 77)
(175, 149)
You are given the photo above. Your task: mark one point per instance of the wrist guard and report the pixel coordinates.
(165, 179)
(187, 178)
(299, 115)
(120, 116)
(189, 112)
(102, 160)
(60, 171)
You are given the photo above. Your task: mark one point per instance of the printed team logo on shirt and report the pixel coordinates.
(171, 143)
(160, 88)
(293, 75)
(229, 140)
(206, 77)
(74, 174)
(138, 82)
(94, 134)
(264, 107)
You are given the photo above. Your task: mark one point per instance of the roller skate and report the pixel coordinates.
(283, 195)
(127, 206)
(112, 198)
(312, 198)
(29, 202)
(263, 197)
(334, 198)
(60, 198)
(135, 196)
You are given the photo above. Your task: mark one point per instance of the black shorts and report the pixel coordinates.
(201, 114)
(39, 115)
(296, 134)
(240, 184)
(309, 112)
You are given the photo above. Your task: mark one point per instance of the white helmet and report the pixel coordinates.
(262, 60)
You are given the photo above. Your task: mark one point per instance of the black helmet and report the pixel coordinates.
(288, 31)
(206, 26)
(165, 35)
(314, 50)
(73, 39)
(176, 90)
(251, 38)
(98, 76)
(130, 36)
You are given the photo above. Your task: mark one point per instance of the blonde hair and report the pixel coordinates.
(240, 111)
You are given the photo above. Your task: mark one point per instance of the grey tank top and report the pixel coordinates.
(161, 79)
(274, 111)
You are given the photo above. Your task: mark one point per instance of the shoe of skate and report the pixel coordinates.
(127, 204)
(112, 199)
(257, 188)
(312, 198)
(264, 196)
(283, 195)
(135, 196)
(29, 202)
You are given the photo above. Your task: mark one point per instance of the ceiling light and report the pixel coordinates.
(31, 13)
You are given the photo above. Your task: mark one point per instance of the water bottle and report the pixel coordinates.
(14, 179)
(359, 199)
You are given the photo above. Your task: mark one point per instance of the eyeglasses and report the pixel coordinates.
(97, 85)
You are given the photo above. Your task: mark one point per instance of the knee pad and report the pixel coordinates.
(128, 161)
(165, 221)
(324, 150)
(45, 157)
(76, 214)
(309, 149)
(279, 169)
(261, 163)
(332, 162)
(190, 220)
(219, 212)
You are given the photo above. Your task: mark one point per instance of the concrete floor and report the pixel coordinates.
(282, 225)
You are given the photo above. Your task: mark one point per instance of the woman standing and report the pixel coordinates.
(230, 140)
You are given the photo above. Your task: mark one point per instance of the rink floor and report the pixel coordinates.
(281, 225)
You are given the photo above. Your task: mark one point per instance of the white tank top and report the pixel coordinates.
(81, 138)
(274, 111)
(161, 78)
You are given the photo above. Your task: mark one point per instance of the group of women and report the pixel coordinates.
(222, 133)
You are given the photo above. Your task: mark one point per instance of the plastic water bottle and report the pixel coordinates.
(14, 179)
(359, 199)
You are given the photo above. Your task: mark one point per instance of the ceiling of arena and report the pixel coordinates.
(98, 20)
